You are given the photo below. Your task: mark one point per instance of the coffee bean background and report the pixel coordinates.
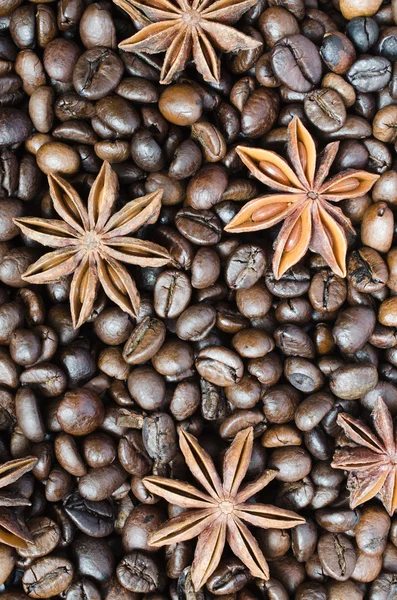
(219, 343)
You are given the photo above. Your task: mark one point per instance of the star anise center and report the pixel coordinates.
(226, 507)
(191, 17)
(91, 240)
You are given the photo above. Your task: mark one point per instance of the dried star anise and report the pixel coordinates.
(310, 220)
(372, 464)
(92, 243)
(218, 513)
(13, 530)
(181, 28)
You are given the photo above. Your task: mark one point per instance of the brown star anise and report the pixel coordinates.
(372, 463)
(181, 28)
(219, 514)
(92, 244)
(13, 530)
(310, 220)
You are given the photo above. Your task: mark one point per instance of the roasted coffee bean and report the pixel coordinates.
(325, 109)
(98, 484)
(138, 572)
(219, 366)
(367, 271)
(199, 227)
(83, 588)
(93, 518)
(259, 113)
(159, 437)
(244, 267)
(351, 382)
(181, 104)
(47, 577)
(230, 577)
(369, 74)
(353, 328)
(97, 72)
(337, 555)
(363, 31)
(196, 322)
(80, 412)
(141, 522)
(171, 294)
(297, 63)
(93, 557)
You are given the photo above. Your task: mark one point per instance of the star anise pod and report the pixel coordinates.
(372, 462)
(218, 513)
(304, 201)
(92, 244)
(13, 530)
(182, 28)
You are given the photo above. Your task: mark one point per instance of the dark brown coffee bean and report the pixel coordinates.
(220, 366)
(80, 412)
(325, 109)
(97, 27)
(159, 437)
(171, 294)
(47, 577)
(138, 572)
(337, 555)
(98, 484)
(97, 72)
(297, 63)
(351, 382)
(244, 267)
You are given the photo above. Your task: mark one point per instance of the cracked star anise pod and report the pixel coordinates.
(303, 202)
(182, 28)
(13, 530)
(372, 462)
(218, 513)
(92, 242)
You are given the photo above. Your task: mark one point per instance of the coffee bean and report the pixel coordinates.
(297, 63)
(219, 365)
(47, 577)
(369, 74)
(351, 382)
(337, 555)
(325, 109)
(97, 72)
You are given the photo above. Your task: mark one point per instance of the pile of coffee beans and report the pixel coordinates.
(219, 344)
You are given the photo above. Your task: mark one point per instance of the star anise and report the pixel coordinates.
(372, 462)
(181, 28)
(218, 513)
(13, 530)
(304, 201)
(92, 244)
